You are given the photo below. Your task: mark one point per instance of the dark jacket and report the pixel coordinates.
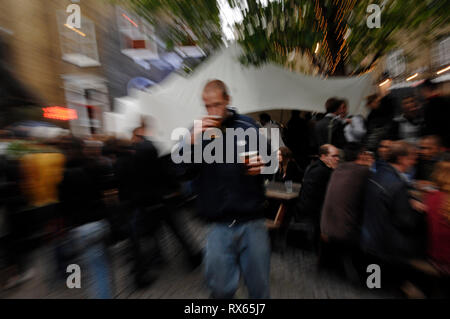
(123, 169)
(377, 164)
(392, 229)
(344, 202)
(436, 117)
(313, 190)
(379, 122)
(225, 192)
(297, 139)
(148, 175)
(331, 125)
(80, 193)
(425, 169)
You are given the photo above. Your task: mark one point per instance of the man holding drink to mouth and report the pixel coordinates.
(231, 198)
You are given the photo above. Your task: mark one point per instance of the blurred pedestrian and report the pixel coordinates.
(152, 189)
(40, 172)
(147, 198)
(84, 215)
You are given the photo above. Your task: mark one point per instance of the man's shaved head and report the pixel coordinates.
(217, 85)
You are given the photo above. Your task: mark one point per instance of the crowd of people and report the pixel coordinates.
(81, 196)
(374, 190)
(377, 192)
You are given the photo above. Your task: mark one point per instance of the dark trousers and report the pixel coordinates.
(145, 226)
(28, 232)
(344, 257)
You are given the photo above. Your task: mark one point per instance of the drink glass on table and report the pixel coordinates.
(288, 186)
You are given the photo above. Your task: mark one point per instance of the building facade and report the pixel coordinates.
(78, 54)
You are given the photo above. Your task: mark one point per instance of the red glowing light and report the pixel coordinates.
(60, 113)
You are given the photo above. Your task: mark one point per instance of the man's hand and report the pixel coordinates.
(424, 186)
(201, 126)
(418, 206)
(254, 166)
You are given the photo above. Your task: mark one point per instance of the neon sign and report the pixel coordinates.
(60, 113)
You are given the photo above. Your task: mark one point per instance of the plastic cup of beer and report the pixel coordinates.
(249, 156)
(215, 118)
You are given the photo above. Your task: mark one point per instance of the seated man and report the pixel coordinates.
(393, 227)
(344, 202)
(314, 186)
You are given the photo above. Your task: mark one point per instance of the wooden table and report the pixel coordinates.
(278, 191)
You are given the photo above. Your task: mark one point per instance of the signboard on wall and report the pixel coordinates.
(59, 113)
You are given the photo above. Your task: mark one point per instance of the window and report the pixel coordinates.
(88, 96)
(78, 46)
(441, 53)
(395, 63)
(191, 51)
(136, 36)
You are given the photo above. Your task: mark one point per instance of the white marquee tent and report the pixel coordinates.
(176, 102)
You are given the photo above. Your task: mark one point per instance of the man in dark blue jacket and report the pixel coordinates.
(230, 195)
(393, 226)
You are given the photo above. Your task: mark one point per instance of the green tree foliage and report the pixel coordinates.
(272, 30)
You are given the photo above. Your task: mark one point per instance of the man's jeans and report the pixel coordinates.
(232, 249)
(89, 242)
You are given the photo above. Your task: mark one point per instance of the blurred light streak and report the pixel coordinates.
(443, 70)
(73, 29)
(385, 82)
(412, 77)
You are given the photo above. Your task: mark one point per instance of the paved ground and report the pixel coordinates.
(293, 276)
